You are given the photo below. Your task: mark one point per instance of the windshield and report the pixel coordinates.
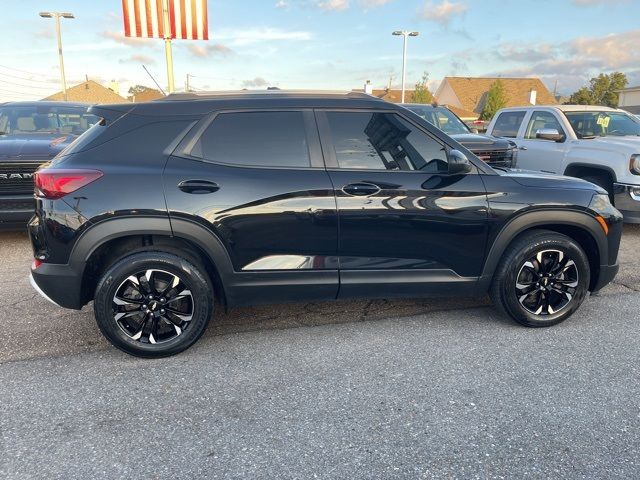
(27, 120)
(442, 118)
(595, 123)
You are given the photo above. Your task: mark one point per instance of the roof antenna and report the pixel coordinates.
(154, 81)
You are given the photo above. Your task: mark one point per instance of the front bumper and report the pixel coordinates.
(15, 211)
(626, 198)
(607, 274)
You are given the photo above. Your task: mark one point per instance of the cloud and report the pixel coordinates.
(44, 33)
(131, 41)
(250, 36)
(208, 50)
(256, 82)
(138, 58)
(337, 5)
(573, 62)
(282, 4)
(366, 4)
(442, 12)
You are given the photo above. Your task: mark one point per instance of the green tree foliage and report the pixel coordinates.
(421, 94)
(496, 99)
(602, 90)
(137, 89)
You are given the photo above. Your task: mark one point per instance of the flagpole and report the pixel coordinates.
(167, 44)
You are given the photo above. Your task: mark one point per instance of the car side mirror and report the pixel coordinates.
(458, 163)
(549, 134)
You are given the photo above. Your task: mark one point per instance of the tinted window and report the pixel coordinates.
(507, 124)
(542, 120)
(266, 139)
(383, 141)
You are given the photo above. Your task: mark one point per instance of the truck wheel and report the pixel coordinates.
(153, 304)
(542, 279)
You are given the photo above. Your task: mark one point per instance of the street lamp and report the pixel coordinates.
(57, 16)
(404, 34)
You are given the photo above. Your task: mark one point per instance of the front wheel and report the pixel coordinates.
(542, 279)
(153, 304)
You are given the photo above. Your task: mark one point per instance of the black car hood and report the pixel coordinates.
(475, 141)
(529, 178)
(33, 147)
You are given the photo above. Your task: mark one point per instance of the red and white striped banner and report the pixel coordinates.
(187, 19)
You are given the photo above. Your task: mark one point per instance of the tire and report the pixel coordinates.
(519, 292)
(161, 326)
(602, 181)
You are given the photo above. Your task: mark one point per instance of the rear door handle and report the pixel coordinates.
(361, 189)
(198, 186)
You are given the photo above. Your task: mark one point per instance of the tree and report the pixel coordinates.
(496, 99)
(137, 89)
(421, 94)
(602, 90)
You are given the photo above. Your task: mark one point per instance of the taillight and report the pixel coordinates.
(52, 183)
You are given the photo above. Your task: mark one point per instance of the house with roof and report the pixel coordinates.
(466, 96)
(629, 99)
(88, 92)
(145, 94)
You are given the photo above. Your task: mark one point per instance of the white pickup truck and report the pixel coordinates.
(598, 144)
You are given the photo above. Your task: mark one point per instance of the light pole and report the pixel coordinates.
(404, 34)
(57, 16)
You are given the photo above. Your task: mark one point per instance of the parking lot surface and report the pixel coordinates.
(358, 389)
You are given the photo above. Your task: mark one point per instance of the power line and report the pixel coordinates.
(5, 74)
(28, 72)
(27, 86)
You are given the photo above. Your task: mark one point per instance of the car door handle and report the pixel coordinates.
(361, 189)
(198, 186)
(523, 148)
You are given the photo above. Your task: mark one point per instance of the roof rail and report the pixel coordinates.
(203, 95)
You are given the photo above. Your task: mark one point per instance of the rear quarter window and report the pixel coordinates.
(507, 124)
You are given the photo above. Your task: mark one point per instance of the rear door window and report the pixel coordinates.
(258, 139)
(507, 124)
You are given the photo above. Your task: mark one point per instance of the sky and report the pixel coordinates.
(326, 44)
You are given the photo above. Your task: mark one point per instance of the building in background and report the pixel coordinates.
(145, 95)
(88, 92)
(466, 96)
(388, 94)
(629, 99)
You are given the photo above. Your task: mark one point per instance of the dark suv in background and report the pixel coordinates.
(164, 207)
(32, 133)
(497, 152)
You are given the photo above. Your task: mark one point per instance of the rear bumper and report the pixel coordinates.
(627, 200)
(15, 211)
(59, 284)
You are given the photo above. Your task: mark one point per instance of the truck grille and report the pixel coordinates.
(17, 177)
(499, 158)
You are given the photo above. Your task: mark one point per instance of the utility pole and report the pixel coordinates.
(187, 88)
(57, 16)
(167, 44)
(405, 34)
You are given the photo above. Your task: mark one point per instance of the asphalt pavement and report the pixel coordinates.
(359, 389)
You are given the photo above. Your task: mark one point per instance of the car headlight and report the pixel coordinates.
(634, 164)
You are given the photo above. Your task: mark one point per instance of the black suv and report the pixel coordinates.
(165, 207)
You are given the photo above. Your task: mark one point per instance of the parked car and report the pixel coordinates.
(495, 151)
(599, 144)
(32, 133)
(164, 207)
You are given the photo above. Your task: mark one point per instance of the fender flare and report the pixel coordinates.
(541, 218)
(111, 229)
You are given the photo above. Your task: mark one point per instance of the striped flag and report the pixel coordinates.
(187, 19)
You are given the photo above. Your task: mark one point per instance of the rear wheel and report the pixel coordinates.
(542, 279)
(153, 304)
